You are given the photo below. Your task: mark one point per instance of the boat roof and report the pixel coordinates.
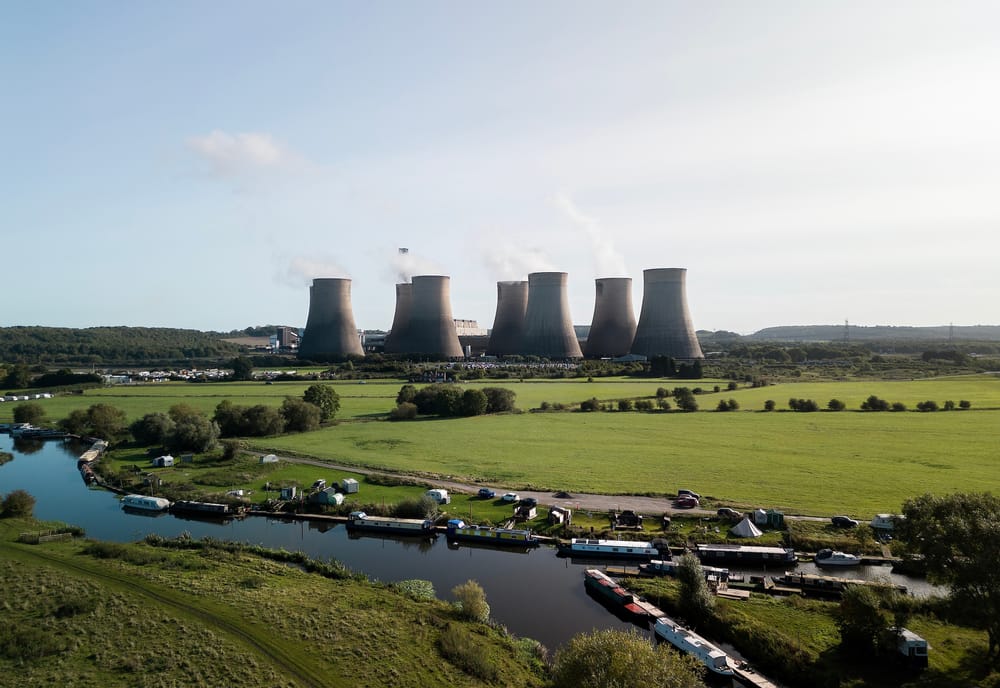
(613, 543)
(759, 549)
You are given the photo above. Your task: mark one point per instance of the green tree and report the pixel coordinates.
(407, 393)
(242, 368)
(873, 403)
(622, 659)
(499, 399)
(106, 421)
(75, 423)
(769, 405)
(153, 428)
(325, 398)
(29, 412)
(17, 504)
(405, 411)
(474, 402)
(861, 620)
(624, 404)
(448, 401)
(18, 376)
(959, 537)
(472, 601)
(696, 601)
(836, 405)
(193, 431)
(685, 400)
(300, 415)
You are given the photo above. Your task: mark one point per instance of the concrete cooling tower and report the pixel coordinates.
(665, 327)
(508, 325)
(430, 328)
(548, 328)
(401, 318)
(330, 328)
(613, 326)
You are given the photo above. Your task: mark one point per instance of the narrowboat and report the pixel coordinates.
(206, 509)
(609, 590)
(750, 555)
(505, 537)
(144, 503)
(658, 567)
(689, 642)
(608, 549)
(830, 586)
(359, 520)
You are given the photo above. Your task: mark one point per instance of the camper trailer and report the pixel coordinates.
(438, 495)
(911, 647)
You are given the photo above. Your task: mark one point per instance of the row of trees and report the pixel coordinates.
(448, 400)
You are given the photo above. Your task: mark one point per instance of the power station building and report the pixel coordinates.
(425, 322)
(548, 327)
(613, 326)
(330, 329)
(665, 327)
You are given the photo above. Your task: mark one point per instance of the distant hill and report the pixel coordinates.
(110, 345)
(881, 333)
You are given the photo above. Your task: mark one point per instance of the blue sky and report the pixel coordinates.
(192, 164)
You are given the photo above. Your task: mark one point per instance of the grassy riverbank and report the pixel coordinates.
(136, 615)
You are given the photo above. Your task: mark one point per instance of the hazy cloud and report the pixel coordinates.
(229, 155)
(405, 264)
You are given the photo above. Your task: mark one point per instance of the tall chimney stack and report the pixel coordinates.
(613, 326)
(330, 328)
(548, 327)
(508, 324)
(665, 327)
(431, 328)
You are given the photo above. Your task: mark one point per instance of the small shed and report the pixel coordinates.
(627, 519)
(349, 485)
(438, 495)
(911, 648)
(164, 461)
(269, 458)
(770, 518)
(288, 492)
(327, 497)
(523, 512)
(560, 515)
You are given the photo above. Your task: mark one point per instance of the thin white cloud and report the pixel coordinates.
(230, 155)
(505, 261)
(405, 264)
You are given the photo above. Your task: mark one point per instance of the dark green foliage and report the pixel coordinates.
(873, 403)
(405, 411)
(231, 449)
(803, 405)
(662, 366)
(592, 404)
(325, 398)
(242, 368)
(949, 405)
(65, 378)
(662, 392)
(422, 507)
(248, 421)
(193, 431)
(862, 620)
(29, 412)
(108, 345)
(602, 659)
(696, 601)
(643, 405)
(472, 602)
(931, 405)
(836, 405)
(474, 402)
(727, 405)
(407, 393)
(24, 642)
(462, 648)
(965, 404)
(299, 415)
(897, 406)
(17, 504)
(153, 428)
(769, 405)
(100, 420)
(685, 400)
(959, 538)
(624, 404)
(18, 376)
(499, 399)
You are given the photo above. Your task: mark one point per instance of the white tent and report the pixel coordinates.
(745, 529)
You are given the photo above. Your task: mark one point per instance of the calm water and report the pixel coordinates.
(535, 593)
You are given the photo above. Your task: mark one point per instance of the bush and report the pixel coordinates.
(929, 405)
(663, 404)
(769, 405)
(472, 602)
(898, 406)
(873, 403)
(17, 504)
(462, 649)
(30, 412)
(499, 399)
(405, 411)
(591, 404)
(416, 588)
(424, 507)
(836, 405)
(965, 404)
(624, 404)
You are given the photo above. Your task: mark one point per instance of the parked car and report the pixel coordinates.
(689, 493)
(529, 501)
(686, 502)
(844, 522)
(510, 497)
(486, 493)
(726, 512)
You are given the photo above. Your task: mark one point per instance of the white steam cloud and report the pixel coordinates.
(508, 262)
(406, 264)
(608, 262)
(300, 271)
(229, 155)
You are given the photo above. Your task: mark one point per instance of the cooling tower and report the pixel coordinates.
(508, 325)
(665, 327)
(401, 319)
(548, 328)
(613, 326)
(330, 328)
(431, 329)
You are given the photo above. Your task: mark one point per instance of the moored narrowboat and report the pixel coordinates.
(689, 642)
(504, 537)
(750, 555)
(609, 590)
(359, 520)
(608, 549)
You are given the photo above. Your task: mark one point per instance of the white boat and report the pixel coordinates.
(829, 557)
(359, 520)
(691, 643)
(136, 501)
(609, 549)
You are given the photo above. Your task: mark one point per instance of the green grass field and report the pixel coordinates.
(819, 463)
